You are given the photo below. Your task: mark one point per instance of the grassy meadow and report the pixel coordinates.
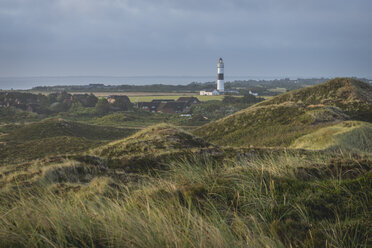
(147, 98)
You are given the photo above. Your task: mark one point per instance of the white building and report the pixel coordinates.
(253, 93)
(211, 92)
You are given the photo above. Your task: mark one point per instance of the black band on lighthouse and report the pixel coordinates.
(220, 76)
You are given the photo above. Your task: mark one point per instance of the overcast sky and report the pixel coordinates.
(175, 38)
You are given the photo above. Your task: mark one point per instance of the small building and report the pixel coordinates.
(149, 106)
(30, 108)
(209, 92)
(82, 98)
(172, 107)
(36, 108)
(169, 106)
(162, 100)
(189, 100)
(122, 98)
(253, 93)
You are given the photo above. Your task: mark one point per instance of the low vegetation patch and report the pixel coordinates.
(58, 127)
(53, 137)
(39, 148)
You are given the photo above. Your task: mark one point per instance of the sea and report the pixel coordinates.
(24, 83)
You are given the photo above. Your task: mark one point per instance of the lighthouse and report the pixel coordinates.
(220, 78)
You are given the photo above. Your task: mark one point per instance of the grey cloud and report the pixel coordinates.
(125, 37)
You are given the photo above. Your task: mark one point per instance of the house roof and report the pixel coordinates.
(148, 104)
(172, 106)
(188, 100)
(163, 100)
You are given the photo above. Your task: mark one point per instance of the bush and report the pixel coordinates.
(102, 106)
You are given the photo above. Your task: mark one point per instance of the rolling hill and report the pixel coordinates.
(54, 137)
(58, 127)
(281, 120)
(354, 97)
(150, 145)
(351, 136)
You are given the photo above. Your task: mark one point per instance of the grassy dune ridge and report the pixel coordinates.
(154, 139)
(354, 97)
(276, 201)
(273, 125)
(282, 119)
(151, 147)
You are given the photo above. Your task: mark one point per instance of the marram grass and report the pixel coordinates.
(277, 201)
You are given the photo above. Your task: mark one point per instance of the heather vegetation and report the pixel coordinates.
(291, 171)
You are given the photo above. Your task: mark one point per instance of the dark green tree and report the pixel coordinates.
(122, 104)
(91, 100)
(102, 106)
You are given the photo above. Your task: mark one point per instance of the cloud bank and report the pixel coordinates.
(174, 37)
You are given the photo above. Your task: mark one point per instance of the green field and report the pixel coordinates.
(146, 96)
(174, 97)
(149, 96)
(278, 90)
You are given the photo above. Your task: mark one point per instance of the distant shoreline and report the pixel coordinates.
(26, 83)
